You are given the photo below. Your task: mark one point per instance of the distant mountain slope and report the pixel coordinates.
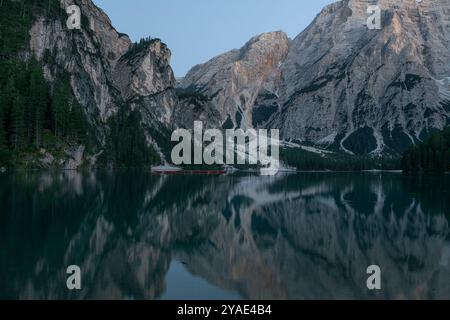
(223, 91)
(342, 86)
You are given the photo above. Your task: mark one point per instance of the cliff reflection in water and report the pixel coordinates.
(300, 236)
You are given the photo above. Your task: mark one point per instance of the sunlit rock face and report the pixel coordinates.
(106, 70)
(343, 86)
(309, 236)
(337, 85)
(223, 91)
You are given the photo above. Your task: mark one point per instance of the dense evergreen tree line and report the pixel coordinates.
(16, 18)
(139, 46)
(32, 113)
(433, 155)
(303, 160)
(126, 144)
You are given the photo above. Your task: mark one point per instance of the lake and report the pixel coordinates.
(293, 236)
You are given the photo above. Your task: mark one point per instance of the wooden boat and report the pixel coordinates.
(168, 170)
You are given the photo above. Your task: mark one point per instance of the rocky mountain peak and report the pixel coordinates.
(229, 84)
(267, 47)
(339, 84)
(112, 44)
(381, 86)
(266, 41)
(145, 70)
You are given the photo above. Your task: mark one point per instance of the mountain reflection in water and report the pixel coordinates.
(298, 236)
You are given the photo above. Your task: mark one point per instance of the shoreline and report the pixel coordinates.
(187, 172)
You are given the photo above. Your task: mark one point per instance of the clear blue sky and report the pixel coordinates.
(197, 30)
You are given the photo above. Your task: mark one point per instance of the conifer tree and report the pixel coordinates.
(433, 155)
(18, 123)
(2, 124)
(38, 101)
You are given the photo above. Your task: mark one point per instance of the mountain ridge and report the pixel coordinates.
(336, 86)
(316, 95)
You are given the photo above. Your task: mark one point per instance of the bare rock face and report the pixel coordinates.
(146, 81)
(337, 85)
(106, 70)
(340, 85)
(88, 55)
(368, 91)
(223, 91)
(145, 73)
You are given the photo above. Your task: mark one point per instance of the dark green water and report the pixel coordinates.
(300, 236)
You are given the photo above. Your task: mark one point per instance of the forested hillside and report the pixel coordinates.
(433, 155)
(33, 113)
(308, 161)
(41, 119)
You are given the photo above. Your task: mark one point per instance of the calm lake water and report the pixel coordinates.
(296, 236)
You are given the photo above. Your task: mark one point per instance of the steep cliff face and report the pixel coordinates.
(223, 91)
(338, 85)
(145, 78)
(89, 55)
(368, 91)
(343, 86)
(107, 71)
